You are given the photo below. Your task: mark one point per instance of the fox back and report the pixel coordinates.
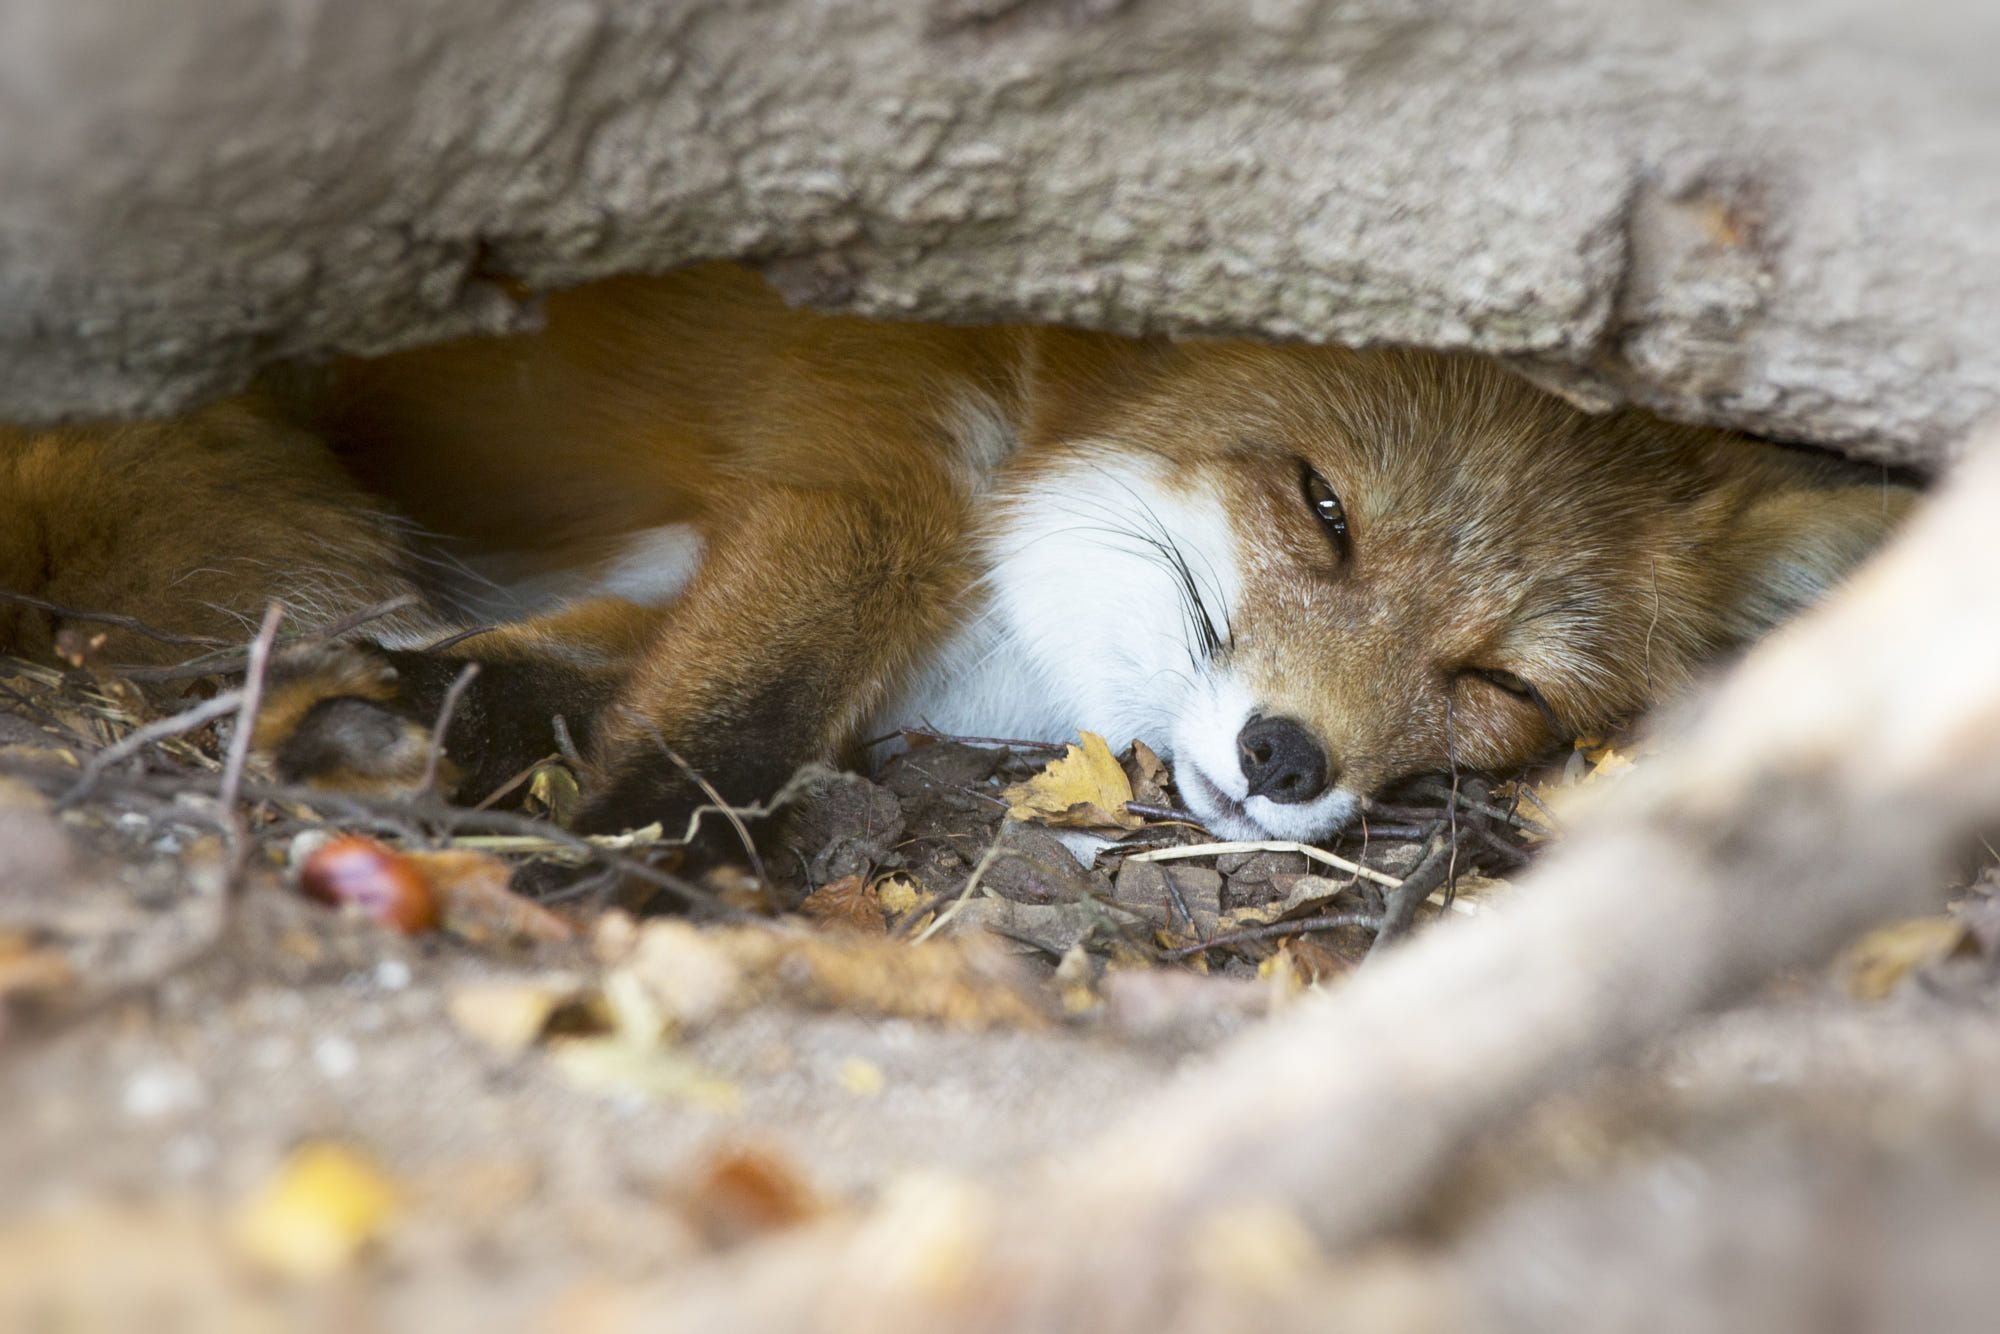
(743, 536)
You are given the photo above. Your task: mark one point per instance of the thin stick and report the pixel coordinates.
(565, 745)
(1010, 743)
(246, 713)
(452, 695)
(131, 623)
(1170, 814)
(1320, 855)
(965, 896)
(647, 837)
(519, 778)
(229, 701)
(727, 811)
(1420, 885)
(1326, 922)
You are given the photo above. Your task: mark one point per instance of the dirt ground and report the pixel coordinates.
(227, 1105)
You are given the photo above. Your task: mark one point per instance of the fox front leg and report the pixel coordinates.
(805, 611)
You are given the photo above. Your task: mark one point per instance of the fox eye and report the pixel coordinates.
(1508, 682)
(1326, 507)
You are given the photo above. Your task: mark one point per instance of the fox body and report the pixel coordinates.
(722, 537)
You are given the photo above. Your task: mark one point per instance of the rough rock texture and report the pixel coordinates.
(1780, 214)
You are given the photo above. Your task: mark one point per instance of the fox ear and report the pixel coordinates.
(1795, 541)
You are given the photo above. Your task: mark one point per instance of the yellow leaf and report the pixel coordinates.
(1876, 963)
(553, 792)
(312, 1217)
(1085, 789)
(616, 1066)
(509, 1016)
(861, 1078)
(898, 894)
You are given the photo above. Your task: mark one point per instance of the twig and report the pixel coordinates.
(931, 733)
(1320, 855)
(452, 695)
(565, 745)
(1431, 871)
(1173, 815)
(131, 623)
(526, 772)
(645, 837)
(229, 701)
(966, 895)
(395, 816)
(1324, 922)
(1528, 795)
(251, 696)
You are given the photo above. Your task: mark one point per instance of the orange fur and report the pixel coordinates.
(848, 482)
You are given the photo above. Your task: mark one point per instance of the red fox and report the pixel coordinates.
(724, 537)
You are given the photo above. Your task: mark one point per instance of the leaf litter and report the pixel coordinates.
(1163, 927)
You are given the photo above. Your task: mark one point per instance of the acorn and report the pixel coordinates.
(352, 872)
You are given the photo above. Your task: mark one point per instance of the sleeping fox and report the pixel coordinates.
(720, 537)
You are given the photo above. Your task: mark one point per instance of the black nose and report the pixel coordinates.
(1281, 760)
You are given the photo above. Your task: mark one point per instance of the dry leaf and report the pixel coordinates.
(315, 1214)
(690, 973)
(846, 904)
(511, 1017)
(900, 894)
(30, 973)
(1307, 895)
(1873, 965)
(1076, 982)
(861, 1078)
(1311, 963)
(617, 1066)
(552, 792)
(1258, 1248)
(1085, 789)
(477, 904)
(1148, 773)
(745, 1192)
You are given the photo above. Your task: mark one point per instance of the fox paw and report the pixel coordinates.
(342, 719)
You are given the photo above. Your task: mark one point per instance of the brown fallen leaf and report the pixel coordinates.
(1148, 773)
(1311, 962)
(846, 904)
(31, 974)
(1874, 965)
(744, 1191)
(1085, 789)
(510, 1017)
(695, 974)
(313, 1217)
(477, 904)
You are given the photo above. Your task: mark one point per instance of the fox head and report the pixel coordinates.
(1306, 573)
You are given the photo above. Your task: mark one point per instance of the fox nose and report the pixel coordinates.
(1281, 760)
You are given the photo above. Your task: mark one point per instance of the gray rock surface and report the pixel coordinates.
(1782, 215)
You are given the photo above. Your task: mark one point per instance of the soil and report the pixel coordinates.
(176, 1028)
